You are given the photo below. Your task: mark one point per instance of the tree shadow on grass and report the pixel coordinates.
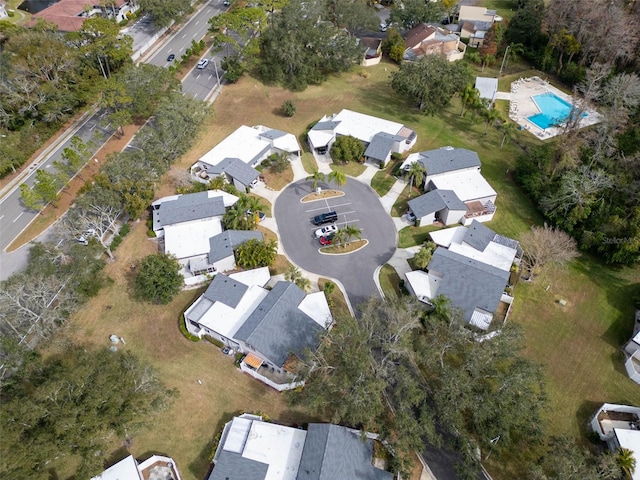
(619, 292)
(584, 414)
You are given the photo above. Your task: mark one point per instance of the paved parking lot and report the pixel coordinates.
(360, 206)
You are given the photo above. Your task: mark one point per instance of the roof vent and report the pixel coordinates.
(448, 147)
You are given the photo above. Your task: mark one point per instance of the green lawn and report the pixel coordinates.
(308, 162)
(400, 207)
(351, 169)
(412, 236)
(383, 180)
(389, 280)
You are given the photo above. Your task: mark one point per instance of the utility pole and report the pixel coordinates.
(215, 66)
(504, 58)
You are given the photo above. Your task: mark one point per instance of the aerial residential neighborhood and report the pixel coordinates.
(310, 240)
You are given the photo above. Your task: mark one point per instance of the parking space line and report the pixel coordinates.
(330, 208)
(21, 213)
(315, 210)
(339, 205)
(313, 229)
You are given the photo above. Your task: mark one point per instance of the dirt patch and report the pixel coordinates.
(277, 181)
(312, 197)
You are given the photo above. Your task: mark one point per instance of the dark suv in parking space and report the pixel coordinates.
(325, 218)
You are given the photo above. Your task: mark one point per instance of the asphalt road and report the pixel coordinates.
(360, 206)
(198, 83)
(14, 217)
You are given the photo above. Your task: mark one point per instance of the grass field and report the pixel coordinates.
(412, 236)
(351, 169)
(389, 280)
(309, 163)
(579, 345)
(383, 180)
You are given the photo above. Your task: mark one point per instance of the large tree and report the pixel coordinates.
(546, 245)
(301, 46)
(347, 149)
(430, 82)
(69, 407)
(158, 279)
(164, 12)
(410, 13)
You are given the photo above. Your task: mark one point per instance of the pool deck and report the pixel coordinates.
(522, 106)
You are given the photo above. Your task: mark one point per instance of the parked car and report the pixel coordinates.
(383, 27)
(325, 218)
(171, 57)
(327, 239)
(261, 215)
(226, 3)
(411, 217)
(202, 64)
(328, 230)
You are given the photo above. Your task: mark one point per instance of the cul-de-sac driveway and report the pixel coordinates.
(361, 207)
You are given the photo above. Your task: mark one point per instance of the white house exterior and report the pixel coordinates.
(457, 170)
(475, 22)
(269, 325)
(442, 206)
(632, 352)
(619, 427)
(237, 155)
(380, 137)
(3, 10)
(471, 267)
(156, 466)
(251, 448)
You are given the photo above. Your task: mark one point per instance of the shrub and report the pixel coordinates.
(289, 108)
(158, 279)
(185, 332)
(215, 341)
(347, 149)
(126, 228)
(117, 240)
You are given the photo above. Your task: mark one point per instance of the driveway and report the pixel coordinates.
(360, 206)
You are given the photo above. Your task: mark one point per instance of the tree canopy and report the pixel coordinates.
(301, 46)
(430, 82)
(158, 279)
(71, 406)
(347, 149)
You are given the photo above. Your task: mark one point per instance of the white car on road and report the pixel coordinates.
(324, 231)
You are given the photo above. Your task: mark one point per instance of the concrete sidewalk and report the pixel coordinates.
(392, 195)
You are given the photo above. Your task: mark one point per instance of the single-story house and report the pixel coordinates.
(458, 170)
(619, 427)
(187, 222)
(437, 206)
(380, 137)
(427, 39)
(237, 156)
(476, 288)
(221, 256)
(372, 52)
(69, 15)
(479, 242)
(273, 327)
(487, 88)
(632, 352)
(475, 22)
(251, 448)
(156, 466)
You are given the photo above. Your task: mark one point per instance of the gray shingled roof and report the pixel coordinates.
(478, 235)
(468, 283)
(434, 201)
(233, 466)
(273, 134)
(326, 125)
(278, 327)
(241, 172)
(381, 145)
(222, 245)
(185, 208)
(448, 159)
(219, 168)
(225, 290)
(332, 452)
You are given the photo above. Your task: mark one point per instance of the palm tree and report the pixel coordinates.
(417, 173)
(469, 97)
(338, 178)
(316, 176)
(351, 231)
(294, 275)
(253, 205)
(340, 236)
(491, 115)
(509, 129)
(626, 461)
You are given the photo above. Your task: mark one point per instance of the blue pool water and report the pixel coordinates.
(554, 110)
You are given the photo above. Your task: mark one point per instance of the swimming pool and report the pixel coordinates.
(554, 110)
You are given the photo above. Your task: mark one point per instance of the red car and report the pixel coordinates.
(328, 240)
